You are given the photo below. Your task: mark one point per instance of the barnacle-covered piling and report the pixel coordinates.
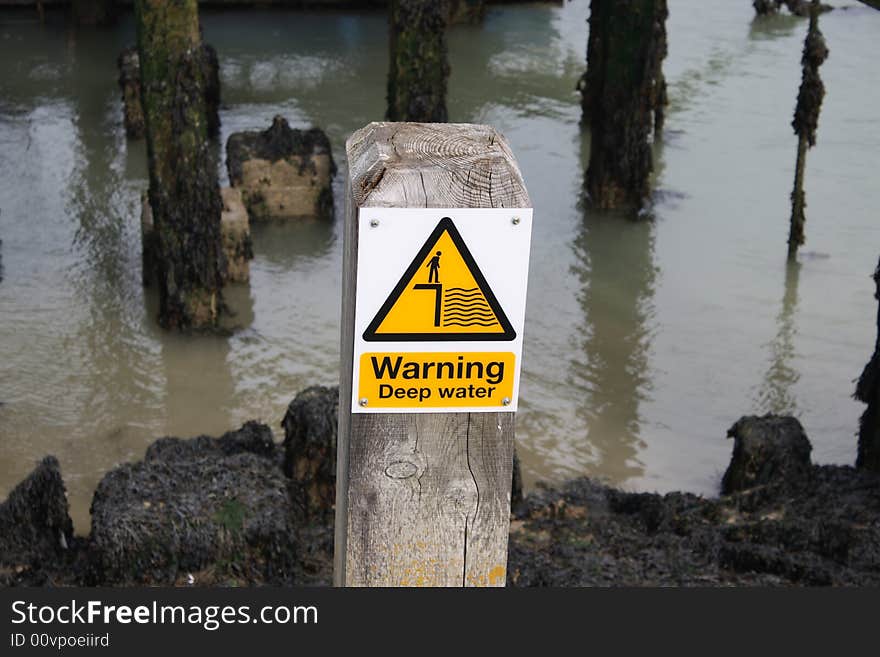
(806, 121)
(184, 191)
(623, 94)
(419, 68)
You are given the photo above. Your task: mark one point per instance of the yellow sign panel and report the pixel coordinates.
(441, 296)
(436, 379)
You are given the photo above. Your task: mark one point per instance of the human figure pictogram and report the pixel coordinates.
(434, 268)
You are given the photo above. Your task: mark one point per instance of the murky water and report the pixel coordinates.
(644, 340)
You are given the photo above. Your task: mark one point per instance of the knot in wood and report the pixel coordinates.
(401, 470)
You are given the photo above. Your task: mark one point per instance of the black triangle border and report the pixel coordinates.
(445, 224)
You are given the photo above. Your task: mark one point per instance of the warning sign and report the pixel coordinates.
(440, 309)
(436, 380)
(442, 295)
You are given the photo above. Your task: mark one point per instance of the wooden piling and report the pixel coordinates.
(806, 122)
(623, 96)
(184, 190)
(422, 499)
(418, 68)
(129, 67)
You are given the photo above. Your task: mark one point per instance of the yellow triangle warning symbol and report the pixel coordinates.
(442, 296)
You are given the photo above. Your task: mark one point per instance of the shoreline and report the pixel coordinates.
(243, 510)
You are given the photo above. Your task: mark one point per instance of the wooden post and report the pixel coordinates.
(623, 94)
(184, 190)
(422, 499)
(419, 68)
(806, 122)
(130, 84)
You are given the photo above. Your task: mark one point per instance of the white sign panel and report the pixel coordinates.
(440, 308)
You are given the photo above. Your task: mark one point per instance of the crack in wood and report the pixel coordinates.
(369, 184)
(422, 178)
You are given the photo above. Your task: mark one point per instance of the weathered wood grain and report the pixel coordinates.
(422, 499)
(434, 165)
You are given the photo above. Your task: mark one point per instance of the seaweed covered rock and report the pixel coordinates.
(516, 483)
(586, 534)
(310, 430)
(218, 509)
(868, 391)
(35, 527)
(768, 449)
(786, 523)
(252, 438)
(282, 173)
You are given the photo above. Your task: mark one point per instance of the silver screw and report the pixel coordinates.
(373, 224)
(515, 221)
(363, 401)
(505, 401)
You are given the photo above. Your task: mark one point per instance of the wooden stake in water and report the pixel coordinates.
(805, 123)
(418, 67)
(423, 499)
(184, 190)
(623, 95)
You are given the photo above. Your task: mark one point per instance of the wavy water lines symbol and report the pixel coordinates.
(467, 307)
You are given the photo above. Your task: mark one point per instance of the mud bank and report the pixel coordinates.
(243, 510)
